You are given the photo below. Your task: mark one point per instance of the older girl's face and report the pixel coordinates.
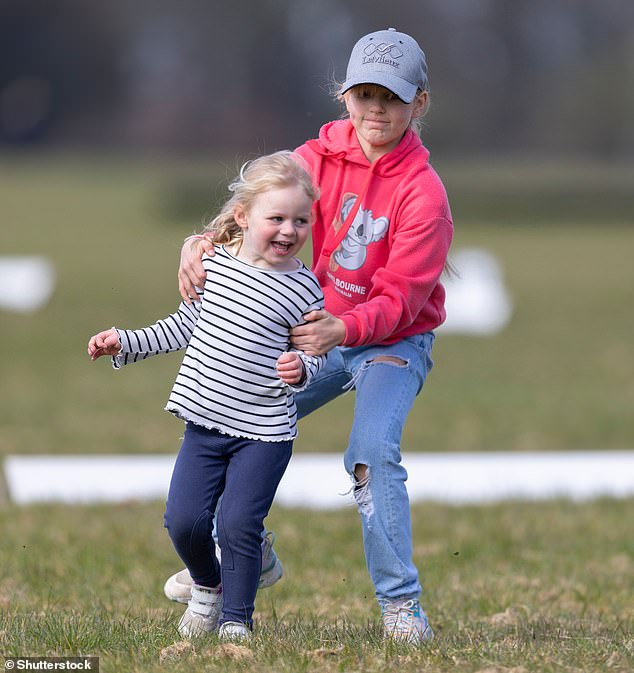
(380, 118)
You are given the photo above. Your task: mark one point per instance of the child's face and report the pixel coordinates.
(275, 227)
(379, 117)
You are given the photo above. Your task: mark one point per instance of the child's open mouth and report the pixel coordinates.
(281, 247)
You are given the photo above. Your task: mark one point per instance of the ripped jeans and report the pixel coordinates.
(385, 392)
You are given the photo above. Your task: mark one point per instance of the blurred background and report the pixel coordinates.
(120, 124)
(538, 77)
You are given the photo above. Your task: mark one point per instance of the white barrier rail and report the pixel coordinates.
(319, 481)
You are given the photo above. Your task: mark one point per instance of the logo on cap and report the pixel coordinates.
(382, 53)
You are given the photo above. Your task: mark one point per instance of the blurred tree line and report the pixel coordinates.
(529, 76)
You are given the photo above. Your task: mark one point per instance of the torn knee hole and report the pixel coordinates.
(390, 359)
(361, 476)
(361, 490)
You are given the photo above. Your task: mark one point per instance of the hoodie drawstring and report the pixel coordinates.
(331, 246)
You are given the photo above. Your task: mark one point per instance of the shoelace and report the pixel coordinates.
(396, 617)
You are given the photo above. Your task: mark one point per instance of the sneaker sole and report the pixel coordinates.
(177, 591)
(416, 638)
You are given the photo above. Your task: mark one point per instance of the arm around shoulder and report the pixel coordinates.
(191, 273)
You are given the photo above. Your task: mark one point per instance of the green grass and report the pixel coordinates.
(513, 587)
(560, 376)
(535, 587)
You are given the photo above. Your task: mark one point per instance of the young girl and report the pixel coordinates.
(235, 386)
(380, 241)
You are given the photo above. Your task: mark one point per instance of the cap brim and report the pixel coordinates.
(405, 90)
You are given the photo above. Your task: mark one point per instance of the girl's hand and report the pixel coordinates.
(104, 343)
(290, 368)
(191, 273)
(321, 332)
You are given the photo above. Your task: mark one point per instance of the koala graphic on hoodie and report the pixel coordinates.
(364, 229)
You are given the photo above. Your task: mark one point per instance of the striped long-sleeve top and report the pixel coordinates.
(234, 336)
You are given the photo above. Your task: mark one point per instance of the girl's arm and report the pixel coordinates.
(320, 333)
(402, 288)
(399, 293)
(191, 273)
(296, 367)
(165, 336)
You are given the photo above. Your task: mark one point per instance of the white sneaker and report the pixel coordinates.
(179, 586)
(203, 612)
(405, 621)
(234, 631)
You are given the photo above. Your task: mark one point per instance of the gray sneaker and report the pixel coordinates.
(272, 569)
(179, 586)
(405, 621)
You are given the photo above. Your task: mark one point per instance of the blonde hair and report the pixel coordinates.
(272, 171)
(416, 123)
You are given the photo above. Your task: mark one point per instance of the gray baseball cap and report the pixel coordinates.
(390, 59)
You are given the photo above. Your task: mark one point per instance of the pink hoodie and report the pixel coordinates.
(380, 273)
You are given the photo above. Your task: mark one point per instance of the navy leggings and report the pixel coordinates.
(247, 473)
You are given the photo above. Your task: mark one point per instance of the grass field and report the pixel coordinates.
(560, 376)
(512, 587)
